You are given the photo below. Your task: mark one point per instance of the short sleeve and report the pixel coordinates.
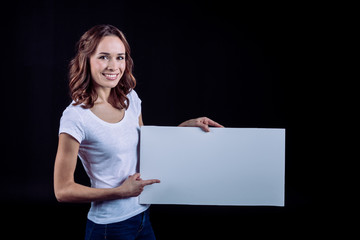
(135, 102)
(72, 124)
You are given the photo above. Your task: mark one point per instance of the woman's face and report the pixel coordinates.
(107, 64)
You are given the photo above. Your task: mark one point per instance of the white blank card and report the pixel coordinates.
(226, 166)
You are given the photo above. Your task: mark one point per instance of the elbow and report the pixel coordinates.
(60, 196)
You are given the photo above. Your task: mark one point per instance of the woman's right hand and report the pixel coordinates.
(134, 185)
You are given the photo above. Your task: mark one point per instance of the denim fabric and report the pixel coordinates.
(135, 228)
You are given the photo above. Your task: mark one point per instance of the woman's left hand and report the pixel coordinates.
(202, 122)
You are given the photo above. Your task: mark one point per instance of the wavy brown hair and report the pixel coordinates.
(81, 85)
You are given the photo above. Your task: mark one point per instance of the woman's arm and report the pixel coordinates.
(202, 122)
(141, 123)
(66, 190)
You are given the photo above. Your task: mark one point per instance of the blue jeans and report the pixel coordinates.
(135, 228)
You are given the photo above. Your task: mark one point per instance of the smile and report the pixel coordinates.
(110, 76)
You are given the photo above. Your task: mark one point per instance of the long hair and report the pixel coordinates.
(81, 86)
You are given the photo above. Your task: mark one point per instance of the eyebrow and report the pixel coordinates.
(106, 53)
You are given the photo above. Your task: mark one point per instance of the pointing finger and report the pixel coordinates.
(150, 181)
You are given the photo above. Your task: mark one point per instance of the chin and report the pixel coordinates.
(105, 83)
(110, 84)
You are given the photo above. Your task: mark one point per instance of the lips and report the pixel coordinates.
(110, 76)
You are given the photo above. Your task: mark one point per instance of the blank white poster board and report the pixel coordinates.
(226, 166)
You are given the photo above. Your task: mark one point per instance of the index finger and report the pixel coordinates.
(213, 123)
(150, 181)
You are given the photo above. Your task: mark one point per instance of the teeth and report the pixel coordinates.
(110, 76)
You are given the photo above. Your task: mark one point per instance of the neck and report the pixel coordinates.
(103, 94)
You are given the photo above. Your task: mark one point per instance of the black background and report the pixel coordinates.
(241, 65)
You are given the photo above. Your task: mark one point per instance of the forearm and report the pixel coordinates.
(74, 192)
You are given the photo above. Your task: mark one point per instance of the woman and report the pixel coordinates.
(102, 126)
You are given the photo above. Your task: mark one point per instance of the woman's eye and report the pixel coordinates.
(104, 57)
(121, 58)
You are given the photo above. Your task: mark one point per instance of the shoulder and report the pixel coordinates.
(133, 96)
(73, 110)
(73, 114)
(72, 123)
(135, 102)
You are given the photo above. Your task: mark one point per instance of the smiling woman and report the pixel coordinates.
(107, 63)
(102, 127)
(106, 47)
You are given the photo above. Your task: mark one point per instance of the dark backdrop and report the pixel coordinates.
(242, 65)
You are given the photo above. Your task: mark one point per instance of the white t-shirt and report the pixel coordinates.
(109, 153)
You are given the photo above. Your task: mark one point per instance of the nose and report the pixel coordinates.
(112, 66)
